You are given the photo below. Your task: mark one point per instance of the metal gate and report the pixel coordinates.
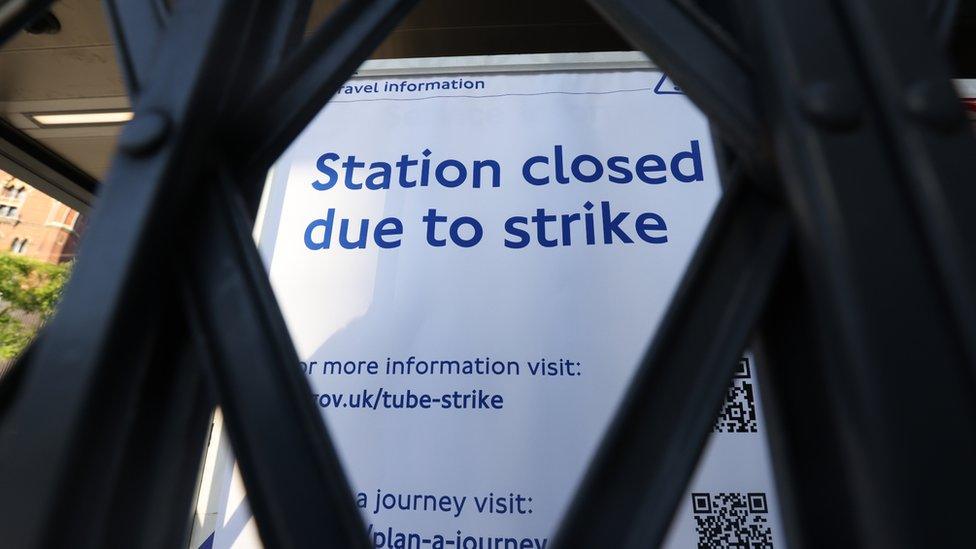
(844, 243)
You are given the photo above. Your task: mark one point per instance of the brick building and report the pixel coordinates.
(36, 225)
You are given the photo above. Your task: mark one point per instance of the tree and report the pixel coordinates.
(29, 292)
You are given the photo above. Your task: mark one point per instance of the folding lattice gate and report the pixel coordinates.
(842, 243)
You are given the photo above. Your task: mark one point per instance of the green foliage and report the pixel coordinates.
(28, 288)
(14, 335)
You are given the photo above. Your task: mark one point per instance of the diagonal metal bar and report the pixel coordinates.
(281, 108)
(91, 468)
(645, 461)
(16, 14)
(299, 494)
(138, 27)
(282, 516)
(153, 495)
(76, 400)
(942, 15)
(285, 21)
(718, 82)
(295, 483)
(163, 447)
(881, 302)
(801, 421)
(927, 126)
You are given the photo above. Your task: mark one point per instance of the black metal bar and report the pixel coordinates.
(16, 14)
(296, 485)
(153, 496)
(942, 16)
(25, 158)
(164, 440)
(718, 82)
(285, 22)
(137, 26)
(645, 461)
(94, 470)
(76, 400)
(284, 104)
(801, 422)
(299, 494)
(882, 304)
(294, 465)
(925, 125)
(300, 497)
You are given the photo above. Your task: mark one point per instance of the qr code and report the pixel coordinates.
(732, 519)
(738, 414)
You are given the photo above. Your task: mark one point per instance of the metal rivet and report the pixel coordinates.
(832, 106)
(144, 133)
(934, 104)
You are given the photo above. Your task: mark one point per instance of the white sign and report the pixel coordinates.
(471, 267)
